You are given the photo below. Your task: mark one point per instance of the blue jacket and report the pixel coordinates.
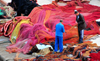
(59, 29)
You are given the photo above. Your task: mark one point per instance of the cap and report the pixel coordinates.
(75, 11)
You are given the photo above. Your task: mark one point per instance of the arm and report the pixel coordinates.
(82, 19)
(63, 29)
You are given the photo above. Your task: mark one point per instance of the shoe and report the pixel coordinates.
(54, 52)
(80, 42)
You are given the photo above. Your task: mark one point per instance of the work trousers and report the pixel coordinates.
(81, 35)
(58, 42)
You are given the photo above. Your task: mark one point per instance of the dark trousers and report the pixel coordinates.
(81, 35)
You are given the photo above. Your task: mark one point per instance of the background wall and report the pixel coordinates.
(42, 2)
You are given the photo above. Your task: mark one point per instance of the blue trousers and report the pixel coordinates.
(58, 41)
(81, 35)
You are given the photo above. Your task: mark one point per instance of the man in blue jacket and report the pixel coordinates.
(59, 36)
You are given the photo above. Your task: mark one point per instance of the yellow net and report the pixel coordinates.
(16, 32)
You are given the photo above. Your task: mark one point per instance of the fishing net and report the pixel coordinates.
(8, 28)
(16, 32)
(95, 56)
(1, 29)
(44, 19)
(30, 36)
(94, 28)
(11, 24)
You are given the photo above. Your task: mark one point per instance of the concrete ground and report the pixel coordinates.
(4, 41)
(6, 56)
(95, 2)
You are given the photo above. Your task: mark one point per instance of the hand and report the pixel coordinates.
(75, 24)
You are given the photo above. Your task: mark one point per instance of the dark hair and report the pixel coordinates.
(61, 20)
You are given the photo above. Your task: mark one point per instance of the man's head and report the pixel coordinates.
(76, 12)
(61, 21)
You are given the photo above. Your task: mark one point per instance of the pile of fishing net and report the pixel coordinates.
(95, 56)
(77, 52)
(39, 26)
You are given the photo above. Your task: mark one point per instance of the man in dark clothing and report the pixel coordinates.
(81, 25)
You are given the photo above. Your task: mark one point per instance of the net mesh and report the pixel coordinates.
(16, 30)
(43, 20)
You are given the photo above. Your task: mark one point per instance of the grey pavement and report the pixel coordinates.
(6, 56)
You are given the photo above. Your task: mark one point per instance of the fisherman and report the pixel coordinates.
(59, 36)
(81, 25)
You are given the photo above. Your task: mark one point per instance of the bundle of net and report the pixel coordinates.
(92, 28)
(29, 36)
(15, 34)
(1, 29)
(11, 24)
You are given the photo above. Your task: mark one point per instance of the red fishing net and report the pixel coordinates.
(1, 29)
(95, 56)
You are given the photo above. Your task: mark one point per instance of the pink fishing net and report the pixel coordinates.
(29, 36)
